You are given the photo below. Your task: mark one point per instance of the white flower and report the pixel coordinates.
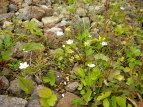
(65, 83)
(91, 65)
(104, 43)
(122, 8)
(69, 41)
(63, 46)
(59, 33)
(24, 50)
(63, 95)
(23, 65)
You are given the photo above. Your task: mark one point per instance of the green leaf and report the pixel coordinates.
(51, 101)
(127, 69)
(1, 44)
(43, 102)
(131, 59)
(32, 46)
(129, 105)
(121, 101)
(103, 95)
(26, 85)
(45, 93)
(130, 81)
(101, 56)
(7, 41)
(6, 55)
(89, 52)
(113, 101)
(81, 72)
(87, 96)
(51, 79)
(106, 103)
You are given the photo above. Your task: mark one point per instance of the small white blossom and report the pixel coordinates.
(122, 8)
(58, 76)
(65, 83)
(104, 43)
(69, 41)
(59, 33)
(91, 65)
(24, 50)
(63, 95)
(63, 46)
(23, 65)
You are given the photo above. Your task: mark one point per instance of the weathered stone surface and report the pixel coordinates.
(16, 1)
(48, 10)
(37, 12)
(72, 86)
(6, 101)
(13, 7)
(5, 16)
(35, 2)
(66, 101)
(50, 20)
(3, 7)
(81, 12)
(5, 82)
(14, 87)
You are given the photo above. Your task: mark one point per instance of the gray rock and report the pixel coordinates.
(37, 12)
(29, 12)
(81, 11)
(5, 16)
(6, 101)
(35, 2)
(50, 20)
(3, 6)
(14, 87)
(24, 13)
(5, 82)
(17, 1)
(72, 86)
(8, 25)
(66, 101)
(13, 7)
(48, 10)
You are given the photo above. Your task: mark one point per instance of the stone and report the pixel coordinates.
(66, 101)
(14, 87)
(81, 12)
(5, 82)
(13, 7)
(3, 6)
(8, 25)
(50, 20)
(37, 12)
(17, 1)
(35, 2)
(5, 16)
(6, 101)
(48, 10)
(29, 12)
(52, 39)
(24, 13)
(72, 86)
(39, 24)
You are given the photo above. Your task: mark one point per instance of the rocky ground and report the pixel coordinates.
(53, 18)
